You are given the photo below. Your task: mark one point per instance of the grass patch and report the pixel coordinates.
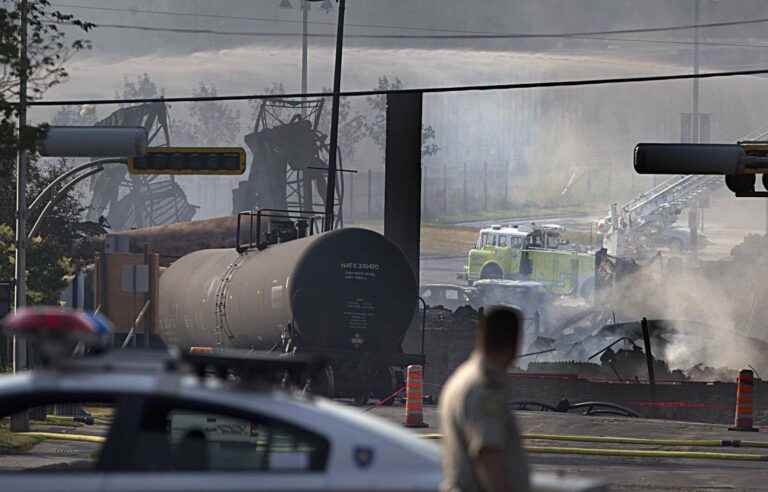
(100, 412)
(101, 415)
(525, 211)
(11, 442)
(61, 421)
(436, 240)
(447, 241)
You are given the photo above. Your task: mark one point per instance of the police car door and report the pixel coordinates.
(206, 447)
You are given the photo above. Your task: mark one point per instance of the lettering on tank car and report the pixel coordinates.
(358, 313)
(360, 271)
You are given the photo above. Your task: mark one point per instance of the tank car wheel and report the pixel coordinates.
(323, 384)
(361, 399)
(389, 374)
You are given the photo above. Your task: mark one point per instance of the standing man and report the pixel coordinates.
(481, 444)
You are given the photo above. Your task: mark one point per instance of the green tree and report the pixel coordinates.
(60, 242)
(48, 51)
(213, 123)
(140, 87)
(52, 249)
(352, 127)
(376, 123)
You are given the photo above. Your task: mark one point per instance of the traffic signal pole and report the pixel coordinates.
(20, 422)
(695, 128)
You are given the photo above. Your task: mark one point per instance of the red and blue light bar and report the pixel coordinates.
(56, 330)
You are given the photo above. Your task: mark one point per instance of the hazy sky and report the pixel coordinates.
(553, 130)
(228, 57)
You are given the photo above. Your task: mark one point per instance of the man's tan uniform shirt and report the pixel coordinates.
(474, 415)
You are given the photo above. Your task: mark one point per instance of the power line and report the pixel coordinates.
(426, 90)
(470, 33)
(259, 19)
(274, 34)
(716, 44)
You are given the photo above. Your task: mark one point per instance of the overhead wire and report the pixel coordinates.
(394, 36)
(422, 90)
(413, 28)
(470, 36)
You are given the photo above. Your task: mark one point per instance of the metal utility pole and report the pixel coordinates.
(425, 181)
(20, 422)
(445, 188)
(485, 186)
(304, 44)
(330, 195)
(649, 361)
(695, 120)
(465, 202)
(695, 128)
(506, 183)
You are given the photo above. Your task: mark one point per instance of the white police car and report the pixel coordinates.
(166, 425)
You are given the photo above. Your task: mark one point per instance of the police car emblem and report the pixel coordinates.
(363, 457)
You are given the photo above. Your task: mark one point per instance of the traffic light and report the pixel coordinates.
(669, 158)
(93, 141)
(739, 163)
(189, 160)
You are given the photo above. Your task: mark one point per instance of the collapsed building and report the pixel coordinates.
(704, 321)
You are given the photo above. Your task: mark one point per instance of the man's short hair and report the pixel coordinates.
(500, 328)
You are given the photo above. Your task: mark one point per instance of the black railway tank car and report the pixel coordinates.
(348, 294)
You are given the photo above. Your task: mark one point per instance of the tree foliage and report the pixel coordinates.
(47, 52)
(51, 251)
(352, 127)
(213, 123)
(60, 242)
(142, 87)
(376, 123)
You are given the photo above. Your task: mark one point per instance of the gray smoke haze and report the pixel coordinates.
(547, 135)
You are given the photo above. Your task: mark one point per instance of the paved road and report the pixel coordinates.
(56, 453)
(52, 454)
(441, 269)
(654, 474)
(657, 474)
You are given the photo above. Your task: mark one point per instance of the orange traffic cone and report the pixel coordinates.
(414, 395)
(744, 386)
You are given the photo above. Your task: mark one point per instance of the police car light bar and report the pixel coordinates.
(56, 331)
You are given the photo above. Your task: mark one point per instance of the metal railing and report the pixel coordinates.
(295, 224)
